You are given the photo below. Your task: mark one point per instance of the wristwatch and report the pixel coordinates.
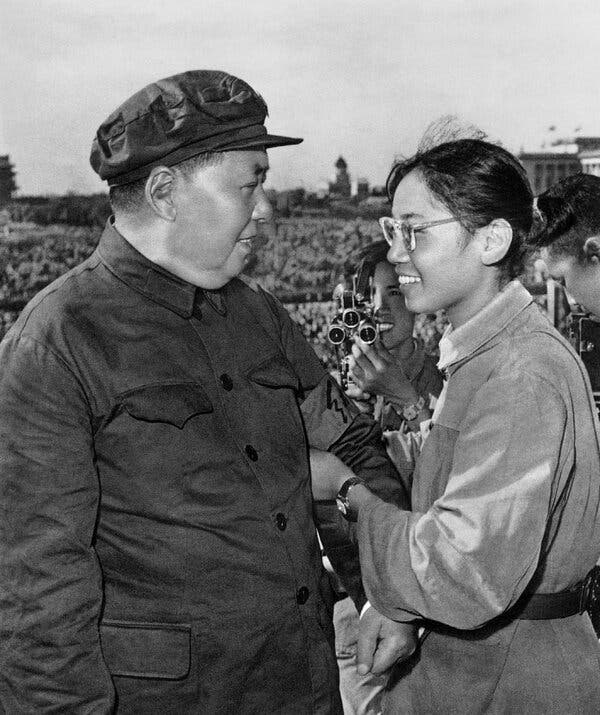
(342, 498)
(411, 412)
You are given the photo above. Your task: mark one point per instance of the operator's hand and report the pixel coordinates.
(383, 642)
(363, 400)
(375, 371)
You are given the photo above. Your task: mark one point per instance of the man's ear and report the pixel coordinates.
(159, 192)
(495, 240)
(591, 249)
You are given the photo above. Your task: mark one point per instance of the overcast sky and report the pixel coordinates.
(361, 78)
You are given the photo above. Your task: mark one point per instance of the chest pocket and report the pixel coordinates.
(275, 371)
(173, 403)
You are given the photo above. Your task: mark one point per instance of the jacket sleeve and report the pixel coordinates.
(51, 586)
(470, 556)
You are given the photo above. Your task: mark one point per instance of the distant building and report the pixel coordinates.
(360, 188)
(7, 180)
(341, 187)
(286, 201)
(590, 161)
(563, 158)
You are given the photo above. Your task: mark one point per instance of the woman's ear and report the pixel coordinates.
(591, 249)
(495, 238)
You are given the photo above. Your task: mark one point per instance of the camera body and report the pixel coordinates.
(584, 336)
(354, 315)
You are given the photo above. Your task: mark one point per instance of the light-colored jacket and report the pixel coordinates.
(505, 499)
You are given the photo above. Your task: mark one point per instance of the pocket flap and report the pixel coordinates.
(174, 403)
(275, 371)
(146, 650)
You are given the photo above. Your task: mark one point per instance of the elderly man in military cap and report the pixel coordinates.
(157, 537)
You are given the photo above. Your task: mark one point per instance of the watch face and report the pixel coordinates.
(342, 498)
(342, 506)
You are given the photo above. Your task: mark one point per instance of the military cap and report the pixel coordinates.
(179, 117)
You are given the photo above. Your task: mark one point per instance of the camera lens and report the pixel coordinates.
(351, 318)
(367, 331)
(336, 334)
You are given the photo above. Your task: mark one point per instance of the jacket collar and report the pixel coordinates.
(458, 344)
(144, 276)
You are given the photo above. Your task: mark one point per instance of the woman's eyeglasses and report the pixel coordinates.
(406, 231)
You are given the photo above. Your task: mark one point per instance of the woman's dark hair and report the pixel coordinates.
(478, 182)
(567, 214)
(373, 254)
(368, 258)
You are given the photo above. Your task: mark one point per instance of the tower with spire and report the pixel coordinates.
(341, 187)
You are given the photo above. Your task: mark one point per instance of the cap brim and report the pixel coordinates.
(213, 144)
(266, 141)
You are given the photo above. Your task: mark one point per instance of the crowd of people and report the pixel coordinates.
(198, 517)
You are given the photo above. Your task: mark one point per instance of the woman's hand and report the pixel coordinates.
(375, 371)
(328, 474)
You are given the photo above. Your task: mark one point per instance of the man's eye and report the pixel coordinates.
(394, 291)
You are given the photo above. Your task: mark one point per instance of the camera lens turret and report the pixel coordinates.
(351, 318)
(367, 331)
(336, 333)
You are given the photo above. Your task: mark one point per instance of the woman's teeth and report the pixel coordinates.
(405, 280)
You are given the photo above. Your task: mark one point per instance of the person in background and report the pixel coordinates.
(409, 381)
(158, 548)
(492, 562)
(402, 382)
(567, 232)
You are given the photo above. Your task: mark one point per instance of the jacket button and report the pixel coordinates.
(302, 595)
(226, 381)
(251, 452)
(281, 522)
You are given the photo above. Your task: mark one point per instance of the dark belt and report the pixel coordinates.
(584, 597)
(542, 606)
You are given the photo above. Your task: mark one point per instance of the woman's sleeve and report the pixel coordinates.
(470, 556)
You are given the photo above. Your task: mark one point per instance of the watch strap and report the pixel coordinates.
(342, 498)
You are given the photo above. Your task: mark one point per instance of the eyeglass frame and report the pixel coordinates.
(407, 230)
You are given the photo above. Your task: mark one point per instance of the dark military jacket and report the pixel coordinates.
(158, 546)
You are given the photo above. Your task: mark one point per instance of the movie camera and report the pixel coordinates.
(354, 315)
(584, 335)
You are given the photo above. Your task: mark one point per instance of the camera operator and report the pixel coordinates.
(399, 394)
(401, 383)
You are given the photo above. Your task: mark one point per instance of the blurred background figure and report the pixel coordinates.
(567, 231)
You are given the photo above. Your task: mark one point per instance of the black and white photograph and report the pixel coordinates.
(299, 357)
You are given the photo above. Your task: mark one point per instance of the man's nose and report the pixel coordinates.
(263, 211)
(397, 252)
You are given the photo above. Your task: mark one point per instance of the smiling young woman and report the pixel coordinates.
(492, 560)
